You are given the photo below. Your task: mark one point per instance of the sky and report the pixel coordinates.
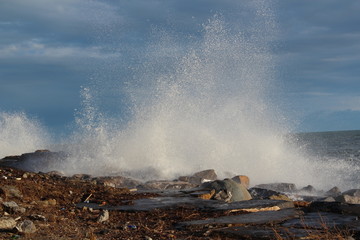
(50, 50)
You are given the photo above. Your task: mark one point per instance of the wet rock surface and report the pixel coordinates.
(54, 206)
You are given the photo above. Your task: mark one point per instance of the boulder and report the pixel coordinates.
(279, 187)
(200, 177)
(352, 192)
(242, 179)
(344, 198)
(308, 189)
(333, 192)
(227, 190)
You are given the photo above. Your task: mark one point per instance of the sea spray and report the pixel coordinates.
(20, 134)
(209, 107)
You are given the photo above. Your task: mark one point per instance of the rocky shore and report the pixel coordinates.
(201, 206)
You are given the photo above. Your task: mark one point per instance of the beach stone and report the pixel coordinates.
(103, 217)
(242, 179)
(7, 223)
(227, 190)
(260, 193)
(279, 187)
(333, 192)
(26, 226)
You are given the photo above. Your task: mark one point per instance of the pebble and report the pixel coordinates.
(7, 223)
(103, 217)
(26, 226)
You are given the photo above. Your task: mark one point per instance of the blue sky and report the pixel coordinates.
(49, 49)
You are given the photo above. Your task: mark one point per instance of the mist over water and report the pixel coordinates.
(205, 102)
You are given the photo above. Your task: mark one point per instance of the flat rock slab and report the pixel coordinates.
(249, 218)
(320, 219)
(259, 232)
(149, 204)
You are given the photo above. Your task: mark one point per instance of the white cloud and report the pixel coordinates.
(36, 48)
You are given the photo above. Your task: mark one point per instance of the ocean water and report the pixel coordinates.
(335, 154)
(205, 102)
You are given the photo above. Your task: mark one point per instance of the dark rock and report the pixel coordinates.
(227, 190)
(266, 217)
(352, 192)
(320, 219)
(7, 223)
(308, 189)
(208, 174)
(348, 199)
(200, 177)
(333, 192)
(41, 160)
(150, 204)
(26, 226)
(335, 207)
(260, 193)
(279, 187)
(81, 176)
(162, 185)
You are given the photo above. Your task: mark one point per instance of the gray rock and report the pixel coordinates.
(269, 217)
(333, 192)
(308, 189)
(103, 217)
(348, 199)
(200, 177)
(149, 204)
(13, 207)
(7, 223)
(26, 226)
(280, 187)
(162, 185)
(227, 190)
(320, 219)
(352, 192)
(260, 193)
(335, 207)
(11, 191)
